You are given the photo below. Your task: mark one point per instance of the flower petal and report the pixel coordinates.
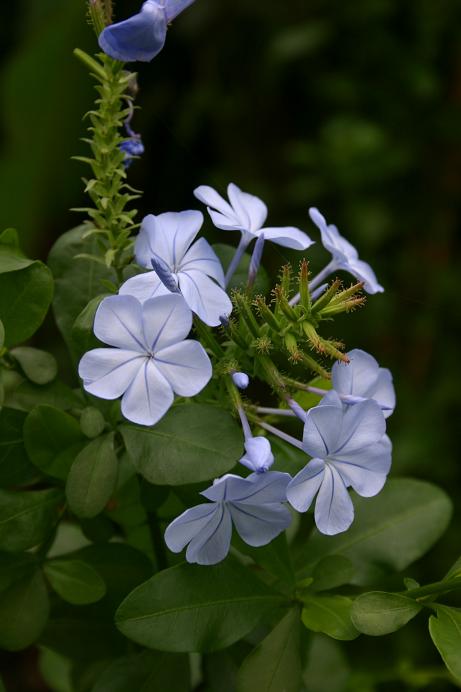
(250, 210)
(366, 470)
(260, 488)
(202, 257)
(384, 392)
(140, 37)
(213, 199)
(167, 320)
(288, 236)
(303, 487)
(118, 322)
(185, 366)
(356, 377)
(148, 397)
(204, 296)
(363, 425)
(167, 235)
(188, 525)
(213, 543)
(259, 524)
(334, 511)
(108, 372)
(322, 430)
(363, 272)
(143, 287)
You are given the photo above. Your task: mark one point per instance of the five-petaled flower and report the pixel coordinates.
(344, 255)
(362, 378)
(150, 358)
(142, 36)
(247, 214)
(349, 448)
(165, 241)
(253, 504)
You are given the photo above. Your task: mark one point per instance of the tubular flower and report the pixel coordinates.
(344, 255)
(349, 449)
(142, 36)
(164, 242)
(254, 505)
(150, 358)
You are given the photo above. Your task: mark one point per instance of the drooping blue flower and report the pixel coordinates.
(254, 505)
(349, 448)
(132, 148)
(344, 256)
(142, 36)
(195, 268)
(247, 214)
(240, 379)
(362, 378)
(150, 358)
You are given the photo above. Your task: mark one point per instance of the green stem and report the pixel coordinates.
(438, 587)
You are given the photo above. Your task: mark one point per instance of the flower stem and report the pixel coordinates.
(438, 587)
(242, 246)
(279, 433)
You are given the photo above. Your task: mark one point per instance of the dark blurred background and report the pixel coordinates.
(352, 107)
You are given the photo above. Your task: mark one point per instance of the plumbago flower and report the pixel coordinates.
(254, 505)
(349, 449)
(142, 36)
(344, 256)
(150, 358)
(247, 214)
(362, 378)
(164, 242)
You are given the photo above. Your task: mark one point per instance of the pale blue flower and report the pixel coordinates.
(258, 457)
(362, 378)
(247, 214)
(150, 359)
(344, 256)
(194, 268)
(254, 505)
(349, 449)
(240, 379)
(142, 36)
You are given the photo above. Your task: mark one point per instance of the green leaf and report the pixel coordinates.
(92, 477)
(52, 439)
(390, 531)
(9, 237)
(38, 366)
(55, 670)
(25, 297)
(274, 557)
(12, 259)
(25, 607)
(275, 664)
(15, 467)
(77, 281)
(377, 612)
(192, 443)
(26, 518)
(330, 615)
(145, 672)
(75, 581)
(445, 630)
(327, 669)
(332, 571)
(2, 335)
(92, 422)
(455, 570)
(23, 395)
(195, 608)
(83, 338)
(14, 566)
(239, 280)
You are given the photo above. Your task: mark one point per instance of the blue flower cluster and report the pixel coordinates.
(150, 358)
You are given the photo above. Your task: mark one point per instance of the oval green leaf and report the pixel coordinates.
(75, 581)
(275, 664)
(38, 366)
(25, 607)
(145, 672)
(377, 612)
(52, 439)
(26, 518)
(92, 477)
(330, 615)
(195, 608)
(445, 630)
(15, 467)
(192, 443)
(390, 531)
